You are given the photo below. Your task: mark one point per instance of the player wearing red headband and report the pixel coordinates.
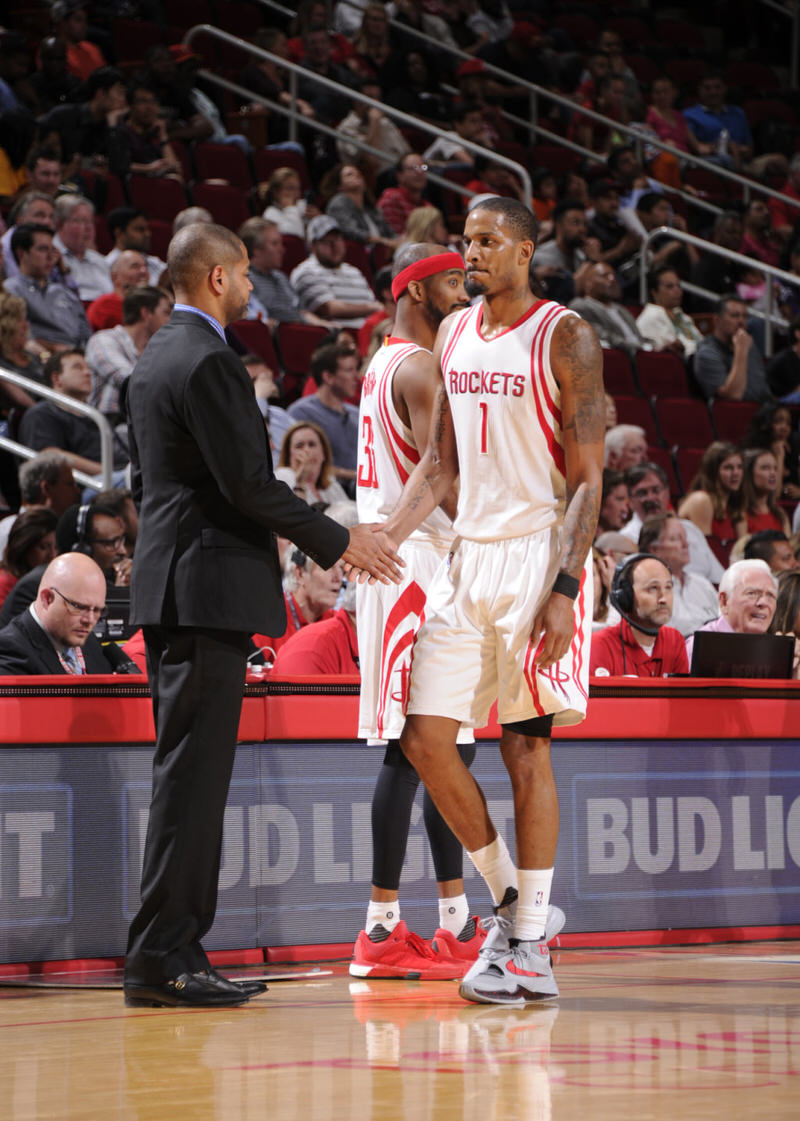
(397, 398)
(518, 419)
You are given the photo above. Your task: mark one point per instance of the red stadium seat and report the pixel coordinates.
(228, 205)
(732, 418)
(160, 237)
(636, 410)
(688, 460)
(618, 376)
(684, 422)
(296, 342)
(661, 374)
(356, 254)
(295, 250)
(158, 198)
(223, 161)
(267, 160)
(663, 457)
(256, 338)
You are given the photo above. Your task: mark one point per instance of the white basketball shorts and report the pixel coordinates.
(475, 647)
(389, 616)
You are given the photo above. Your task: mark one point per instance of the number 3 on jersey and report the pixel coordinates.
(367, 471)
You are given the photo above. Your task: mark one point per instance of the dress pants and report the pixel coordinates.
(196, 682)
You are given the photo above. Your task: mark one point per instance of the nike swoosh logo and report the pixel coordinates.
(512, 968)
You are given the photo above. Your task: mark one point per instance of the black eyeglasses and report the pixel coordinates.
(81, 608)
(116, 542)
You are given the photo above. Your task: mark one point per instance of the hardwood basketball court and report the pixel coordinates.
(709, 1032)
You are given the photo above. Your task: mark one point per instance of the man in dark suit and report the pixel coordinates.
(55, 634)
(205, 576)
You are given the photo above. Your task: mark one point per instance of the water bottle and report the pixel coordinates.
(722, 142)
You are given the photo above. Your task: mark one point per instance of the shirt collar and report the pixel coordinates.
(215, 323)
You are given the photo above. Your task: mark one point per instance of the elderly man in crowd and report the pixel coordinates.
(55, 313)
(694, 601)
(326, 284)
(55, 634)
(128, 271)
(641, 644)
(748, 596)
(649, 495)
(74, 219)
(625, 446)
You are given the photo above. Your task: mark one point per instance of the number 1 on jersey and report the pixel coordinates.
(482, 405)
(367, 470)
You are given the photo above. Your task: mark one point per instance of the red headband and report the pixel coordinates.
(428, 266)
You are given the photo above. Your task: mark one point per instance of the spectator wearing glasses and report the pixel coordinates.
(748, 596)
(55, 634)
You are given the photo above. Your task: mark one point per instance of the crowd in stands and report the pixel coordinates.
(112, 137)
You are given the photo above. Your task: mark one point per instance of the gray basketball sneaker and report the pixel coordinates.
(500, 928)
(523, 975)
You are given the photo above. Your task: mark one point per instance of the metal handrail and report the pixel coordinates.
(355, 95)
(234, 87)
(730, 255)
(106, 437)
(537, 91)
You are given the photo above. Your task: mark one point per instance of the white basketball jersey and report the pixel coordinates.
(506, 412)
(387, 453)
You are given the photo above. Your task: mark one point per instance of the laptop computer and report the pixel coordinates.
(716, 654)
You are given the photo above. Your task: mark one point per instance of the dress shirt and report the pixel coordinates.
(90, 272)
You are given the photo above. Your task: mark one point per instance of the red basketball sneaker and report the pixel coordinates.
(447, 947)
(401, 955)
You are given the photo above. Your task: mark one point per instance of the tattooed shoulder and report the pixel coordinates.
(576, 359)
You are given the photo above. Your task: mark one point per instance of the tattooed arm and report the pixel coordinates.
(577, 363)
(430, 483)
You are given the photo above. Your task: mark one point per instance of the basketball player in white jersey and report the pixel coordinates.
(519, 418)
(397, 399)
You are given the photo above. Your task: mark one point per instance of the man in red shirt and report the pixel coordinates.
(328, 646)
(640, 645)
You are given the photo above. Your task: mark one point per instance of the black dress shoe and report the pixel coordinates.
(189, 990)
(251, 988)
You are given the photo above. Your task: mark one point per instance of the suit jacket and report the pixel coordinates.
(25, 648)
(210, 505)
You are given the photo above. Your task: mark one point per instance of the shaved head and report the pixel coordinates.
(197, 249)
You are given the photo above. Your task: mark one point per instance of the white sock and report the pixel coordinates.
(534, 897)
(494, 863)
(453, 913)
(385, 914)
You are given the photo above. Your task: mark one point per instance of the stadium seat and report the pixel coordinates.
(267, 160)
(158, 198)
(357, 254)
(223, 161)
(160, 237)
(555, 158)
(732, 418)
(753, 77)
(636, 410)
(296, 342)
(228, 205)
(256, 338)
(683, 422)
(688, 460)
(618, 376)
(661, 374)
(295, 250)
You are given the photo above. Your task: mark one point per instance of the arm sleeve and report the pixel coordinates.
(709, 369)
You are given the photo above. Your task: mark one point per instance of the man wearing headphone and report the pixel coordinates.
(640, 645)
